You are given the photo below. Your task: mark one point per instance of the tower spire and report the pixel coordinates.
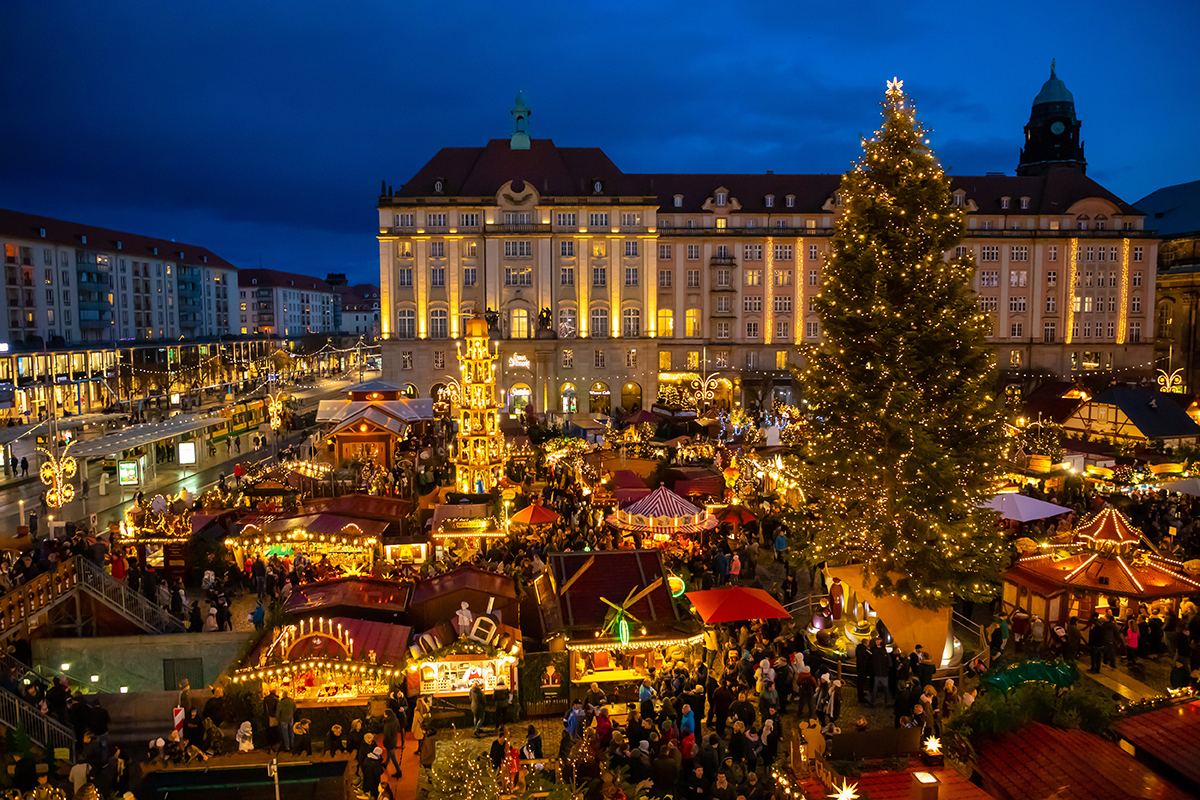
(521, 114)
(1052, 75)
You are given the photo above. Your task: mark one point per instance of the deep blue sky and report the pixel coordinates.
(262, 129)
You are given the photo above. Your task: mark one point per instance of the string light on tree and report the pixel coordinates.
(904, 436)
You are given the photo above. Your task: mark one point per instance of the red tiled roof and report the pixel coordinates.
(284, 280)
(1040, 760)
(1169, 735)
(898, 785)
(572, 171)
(20, 225)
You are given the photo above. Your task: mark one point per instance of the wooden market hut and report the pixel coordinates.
(437, 598)
(345, 545)
(329, 661)
(374, 599)
(1108, 564)
(575, 598)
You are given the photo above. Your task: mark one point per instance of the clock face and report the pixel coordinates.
(1057, 128)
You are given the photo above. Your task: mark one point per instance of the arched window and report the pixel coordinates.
(599, 324)
(666, 323)
(406, 326)
(568, 323)
(437, 323)
(631, 323)
(518, 324)
(599, 399)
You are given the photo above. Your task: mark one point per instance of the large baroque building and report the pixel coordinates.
(1174, 213)
(605, 287)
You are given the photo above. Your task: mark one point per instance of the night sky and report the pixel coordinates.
(262, 129)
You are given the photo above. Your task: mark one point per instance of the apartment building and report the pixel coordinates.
(605, 288)
(360, 311)
(285, 304)
(82, 300)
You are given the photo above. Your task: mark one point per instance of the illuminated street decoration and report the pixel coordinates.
(480, 458)
(275, 407)
(56, 472)
(1171, 382)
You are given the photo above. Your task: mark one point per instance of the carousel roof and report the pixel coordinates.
(662, 502)
(1108, 527)
(1141, 574)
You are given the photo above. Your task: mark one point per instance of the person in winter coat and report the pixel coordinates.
(245, 737)
(478, 707)
(372, 772)
(210, 623)
(286, 712)
(533, 744)
(420, 711)
(334, 743)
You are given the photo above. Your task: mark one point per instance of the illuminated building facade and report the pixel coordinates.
(606, 287)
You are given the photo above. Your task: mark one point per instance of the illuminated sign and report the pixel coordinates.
(187, 452)
(519, 360)
(127, 471)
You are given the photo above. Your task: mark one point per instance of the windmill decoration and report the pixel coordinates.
(56, 472)
(616, 623)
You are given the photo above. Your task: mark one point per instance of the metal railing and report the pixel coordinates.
(44, 731)
(148, 615)
(19, 605)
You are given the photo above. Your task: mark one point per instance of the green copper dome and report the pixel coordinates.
(1053, 91)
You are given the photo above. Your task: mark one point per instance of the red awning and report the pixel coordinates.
(735, 604)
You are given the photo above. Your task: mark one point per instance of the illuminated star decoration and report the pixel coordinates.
(895, 86)
(56, 472)
(933, 745)
(847, 791)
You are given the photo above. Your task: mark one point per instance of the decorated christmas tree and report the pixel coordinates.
(905, 433)
(463, 771)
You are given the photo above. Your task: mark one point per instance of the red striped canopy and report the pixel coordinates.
(662, 502)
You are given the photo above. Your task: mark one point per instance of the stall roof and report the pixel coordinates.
(329, 524)
(64, 424)
(361, 506)
(613, 574)
(1169, 736)
(147, 433)
(407, 410)
(374, 416)
(466, 576)
(387, 641)
(354, 592)
(444, 512)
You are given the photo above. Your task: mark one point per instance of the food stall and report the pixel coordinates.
(329, 661)
(335, 546)
(459, 531)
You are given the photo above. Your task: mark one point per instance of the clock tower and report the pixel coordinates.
(1052, 135)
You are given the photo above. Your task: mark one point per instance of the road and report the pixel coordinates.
(170, 478)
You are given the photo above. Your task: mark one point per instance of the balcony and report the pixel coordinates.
(508, 228)
(722, 261)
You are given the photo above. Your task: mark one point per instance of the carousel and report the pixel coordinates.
(663, 517)
(329, 661)
(334, 545)
(1108, 566)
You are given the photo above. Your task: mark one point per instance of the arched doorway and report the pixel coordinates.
(522, 396)
(410, 391)
(631, 397)
(570, 403)
(599, 399)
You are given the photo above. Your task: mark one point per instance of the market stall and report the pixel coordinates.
(469, 645)
(459, 531)
(334, 546)
(614, 614)
(159, 531)
(329, 661)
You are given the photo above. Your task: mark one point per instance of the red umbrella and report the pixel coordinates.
(534, 515)
(735, 604)
(738, 515)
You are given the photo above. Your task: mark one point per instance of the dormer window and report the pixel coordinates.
(156, 251)
(597, 187)
(679, 201)
(770, 201)
(437, 186)
(1024, 203)
(790, 201)
(43, 232)
(720, 198)
(958, 199)
(254, 281)
(1004, 202)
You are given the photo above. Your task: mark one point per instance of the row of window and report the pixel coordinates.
(989, 278)
(1080, 330)
(991, 252)
(1084, 304)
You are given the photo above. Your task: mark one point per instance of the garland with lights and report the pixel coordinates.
(905, 434)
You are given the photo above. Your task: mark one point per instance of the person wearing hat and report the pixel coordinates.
(245, 737)
(533, 744)
(372, 772)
